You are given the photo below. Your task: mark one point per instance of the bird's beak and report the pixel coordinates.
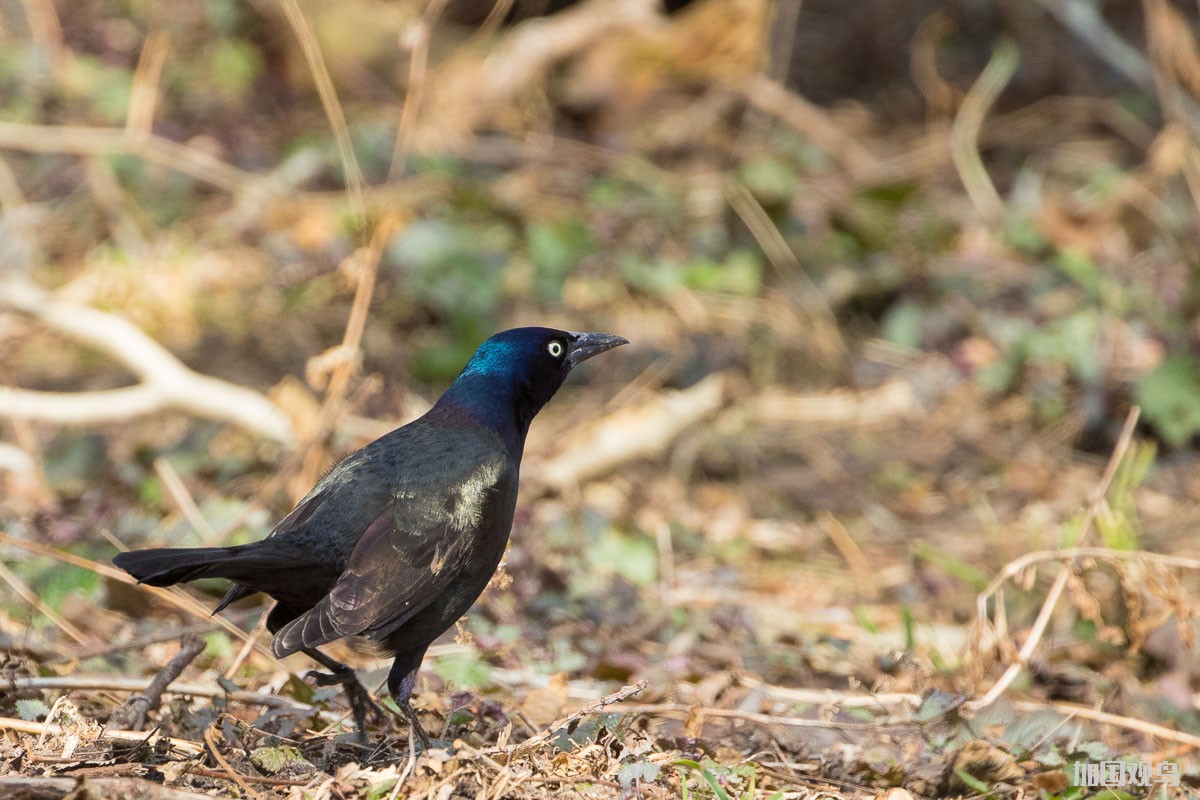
(585, 345)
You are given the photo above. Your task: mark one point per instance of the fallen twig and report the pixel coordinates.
(592, 708)
(643, 432)
(51, 729)
(79, 140)
(1116, 720)
(29, 596)
(142, 685)
(828, 697)
(693, 712)
(893, 399)
(165, 381)
(132, 714)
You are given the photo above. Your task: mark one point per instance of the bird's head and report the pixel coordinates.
(517, 371)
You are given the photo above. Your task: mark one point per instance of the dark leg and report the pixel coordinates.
(359, 697)
(401, 681)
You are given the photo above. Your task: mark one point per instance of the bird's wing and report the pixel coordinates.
(403, 561)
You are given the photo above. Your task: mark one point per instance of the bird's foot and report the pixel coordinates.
(409, 716)
(359, 698)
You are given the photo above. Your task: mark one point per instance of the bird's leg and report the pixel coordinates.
(401, 681)
(356, 693)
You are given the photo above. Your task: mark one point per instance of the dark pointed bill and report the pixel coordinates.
(585, 345)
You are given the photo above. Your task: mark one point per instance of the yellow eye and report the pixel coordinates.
(555, 349)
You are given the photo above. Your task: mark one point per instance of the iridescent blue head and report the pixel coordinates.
(516, 372)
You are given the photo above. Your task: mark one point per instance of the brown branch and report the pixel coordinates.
(703, 712)
(468, 88)
(132, 714)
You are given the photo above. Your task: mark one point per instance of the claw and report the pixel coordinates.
(325, 678)
(359, 698)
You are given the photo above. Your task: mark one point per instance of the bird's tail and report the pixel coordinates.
(168, 566)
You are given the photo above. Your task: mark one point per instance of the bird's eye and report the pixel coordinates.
(555, 349)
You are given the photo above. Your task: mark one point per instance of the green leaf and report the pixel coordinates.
(555, 249)
(381, 789)
(1077, 265)
(902, 324)
(971, 782)
(464, 670)
(1170, 398)
(235, 64)
(741, 274)
(273, 759)
(30, 710)
(769, 179)
(635, 557)
(936, 704)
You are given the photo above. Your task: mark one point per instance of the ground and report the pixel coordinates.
(892, 494)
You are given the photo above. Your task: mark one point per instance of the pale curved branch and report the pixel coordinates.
(166, 383)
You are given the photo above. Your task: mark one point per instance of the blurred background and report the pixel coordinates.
(895, 275)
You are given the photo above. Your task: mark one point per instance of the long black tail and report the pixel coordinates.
(168, 566)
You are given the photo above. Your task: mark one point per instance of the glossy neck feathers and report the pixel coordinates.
(498, 400)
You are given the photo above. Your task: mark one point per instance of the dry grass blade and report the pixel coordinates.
(330, 102)
(364, 265)
(143, 97)
(29, 596)
(964, 134)
(418, 38)
(214, 748)
(1060, 582)
(173, 596)
(772, 97)
(178, 491)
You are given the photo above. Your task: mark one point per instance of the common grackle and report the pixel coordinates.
(397, 541)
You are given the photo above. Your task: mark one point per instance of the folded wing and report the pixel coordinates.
(405, 559)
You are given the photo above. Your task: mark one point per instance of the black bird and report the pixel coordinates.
(397, 541)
